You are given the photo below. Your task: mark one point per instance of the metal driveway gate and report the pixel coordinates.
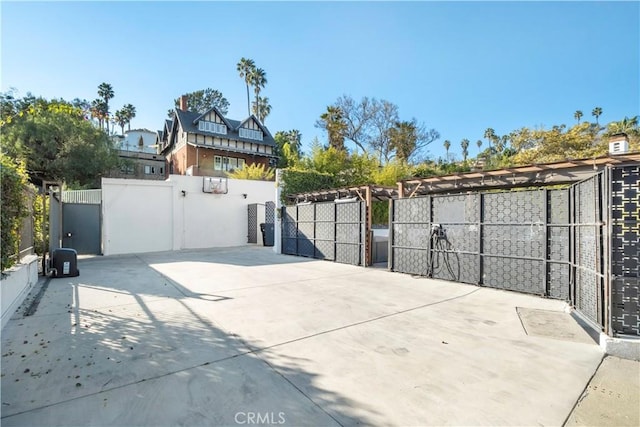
(329, 230)
(625, 250)
(81, 221)
(588, 237)
(510, 240)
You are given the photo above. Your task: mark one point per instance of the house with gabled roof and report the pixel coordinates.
(210, 144)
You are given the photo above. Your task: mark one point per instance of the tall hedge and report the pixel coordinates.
(13, 208)
(303, 181)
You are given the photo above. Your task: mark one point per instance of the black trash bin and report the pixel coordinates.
(267, 234)
(64, 261)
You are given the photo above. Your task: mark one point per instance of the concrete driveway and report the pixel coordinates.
(243, 337)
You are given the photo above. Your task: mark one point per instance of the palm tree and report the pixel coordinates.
(479, 144)
(626, 125)
(596, 113)
(245, 68)
(490, 134)
(447, 145)
(258, 80)
(130, 113)
(121, 119)
(402, 139)
(334, 123)
(99, 111)
(105, 91)
(577, 115)
(295, 138)
(465, 148)
(263, 109)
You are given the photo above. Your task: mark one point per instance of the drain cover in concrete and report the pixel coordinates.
(552, 324)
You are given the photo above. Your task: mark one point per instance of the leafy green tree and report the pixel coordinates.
(479, 144)
(288, 147)
(577, 115)
(392, 172)
(56, 143)
(245, 69)
(203, 100)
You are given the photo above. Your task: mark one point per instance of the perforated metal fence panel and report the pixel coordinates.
(456, 258)
(331, 231)
(558, 244)
(269, 212)
(625, 250)
(588, 240)
(510, 240)
(252, 223)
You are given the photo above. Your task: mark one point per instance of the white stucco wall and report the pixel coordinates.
(147, 216)
(137, 216)
(14, 287)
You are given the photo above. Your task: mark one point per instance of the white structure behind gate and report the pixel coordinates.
(149, 216)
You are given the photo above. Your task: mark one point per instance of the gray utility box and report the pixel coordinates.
(64, 261)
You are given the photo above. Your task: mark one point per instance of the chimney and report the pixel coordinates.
(618, 144)
(183, 102)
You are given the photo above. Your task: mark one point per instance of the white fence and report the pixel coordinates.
(148, 216)
(82, 196)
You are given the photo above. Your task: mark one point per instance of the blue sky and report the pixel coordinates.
(458, 67)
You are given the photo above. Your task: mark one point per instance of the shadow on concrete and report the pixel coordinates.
(120, 347)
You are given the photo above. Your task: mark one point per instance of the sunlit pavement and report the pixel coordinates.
(243, 336)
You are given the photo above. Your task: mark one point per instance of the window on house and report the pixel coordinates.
(240, 163)
(217, 163)
(212, 127)
(251, 134)
(161, 171)
(147, 169)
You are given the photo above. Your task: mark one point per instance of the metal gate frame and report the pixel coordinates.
(590, 242)
(326, 230)
(508, 240)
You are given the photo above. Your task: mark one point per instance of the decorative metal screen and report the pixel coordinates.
(331, 231)
(269, 212)
(252, 226)
(588, 256)
(509, 240)
(625, 249)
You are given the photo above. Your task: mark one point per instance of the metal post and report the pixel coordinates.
(480, 240)
(391, 233)
(546, 283)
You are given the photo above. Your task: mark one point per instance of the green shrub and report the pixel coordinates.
(13, 207)
(254, 171)
(295, 181)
